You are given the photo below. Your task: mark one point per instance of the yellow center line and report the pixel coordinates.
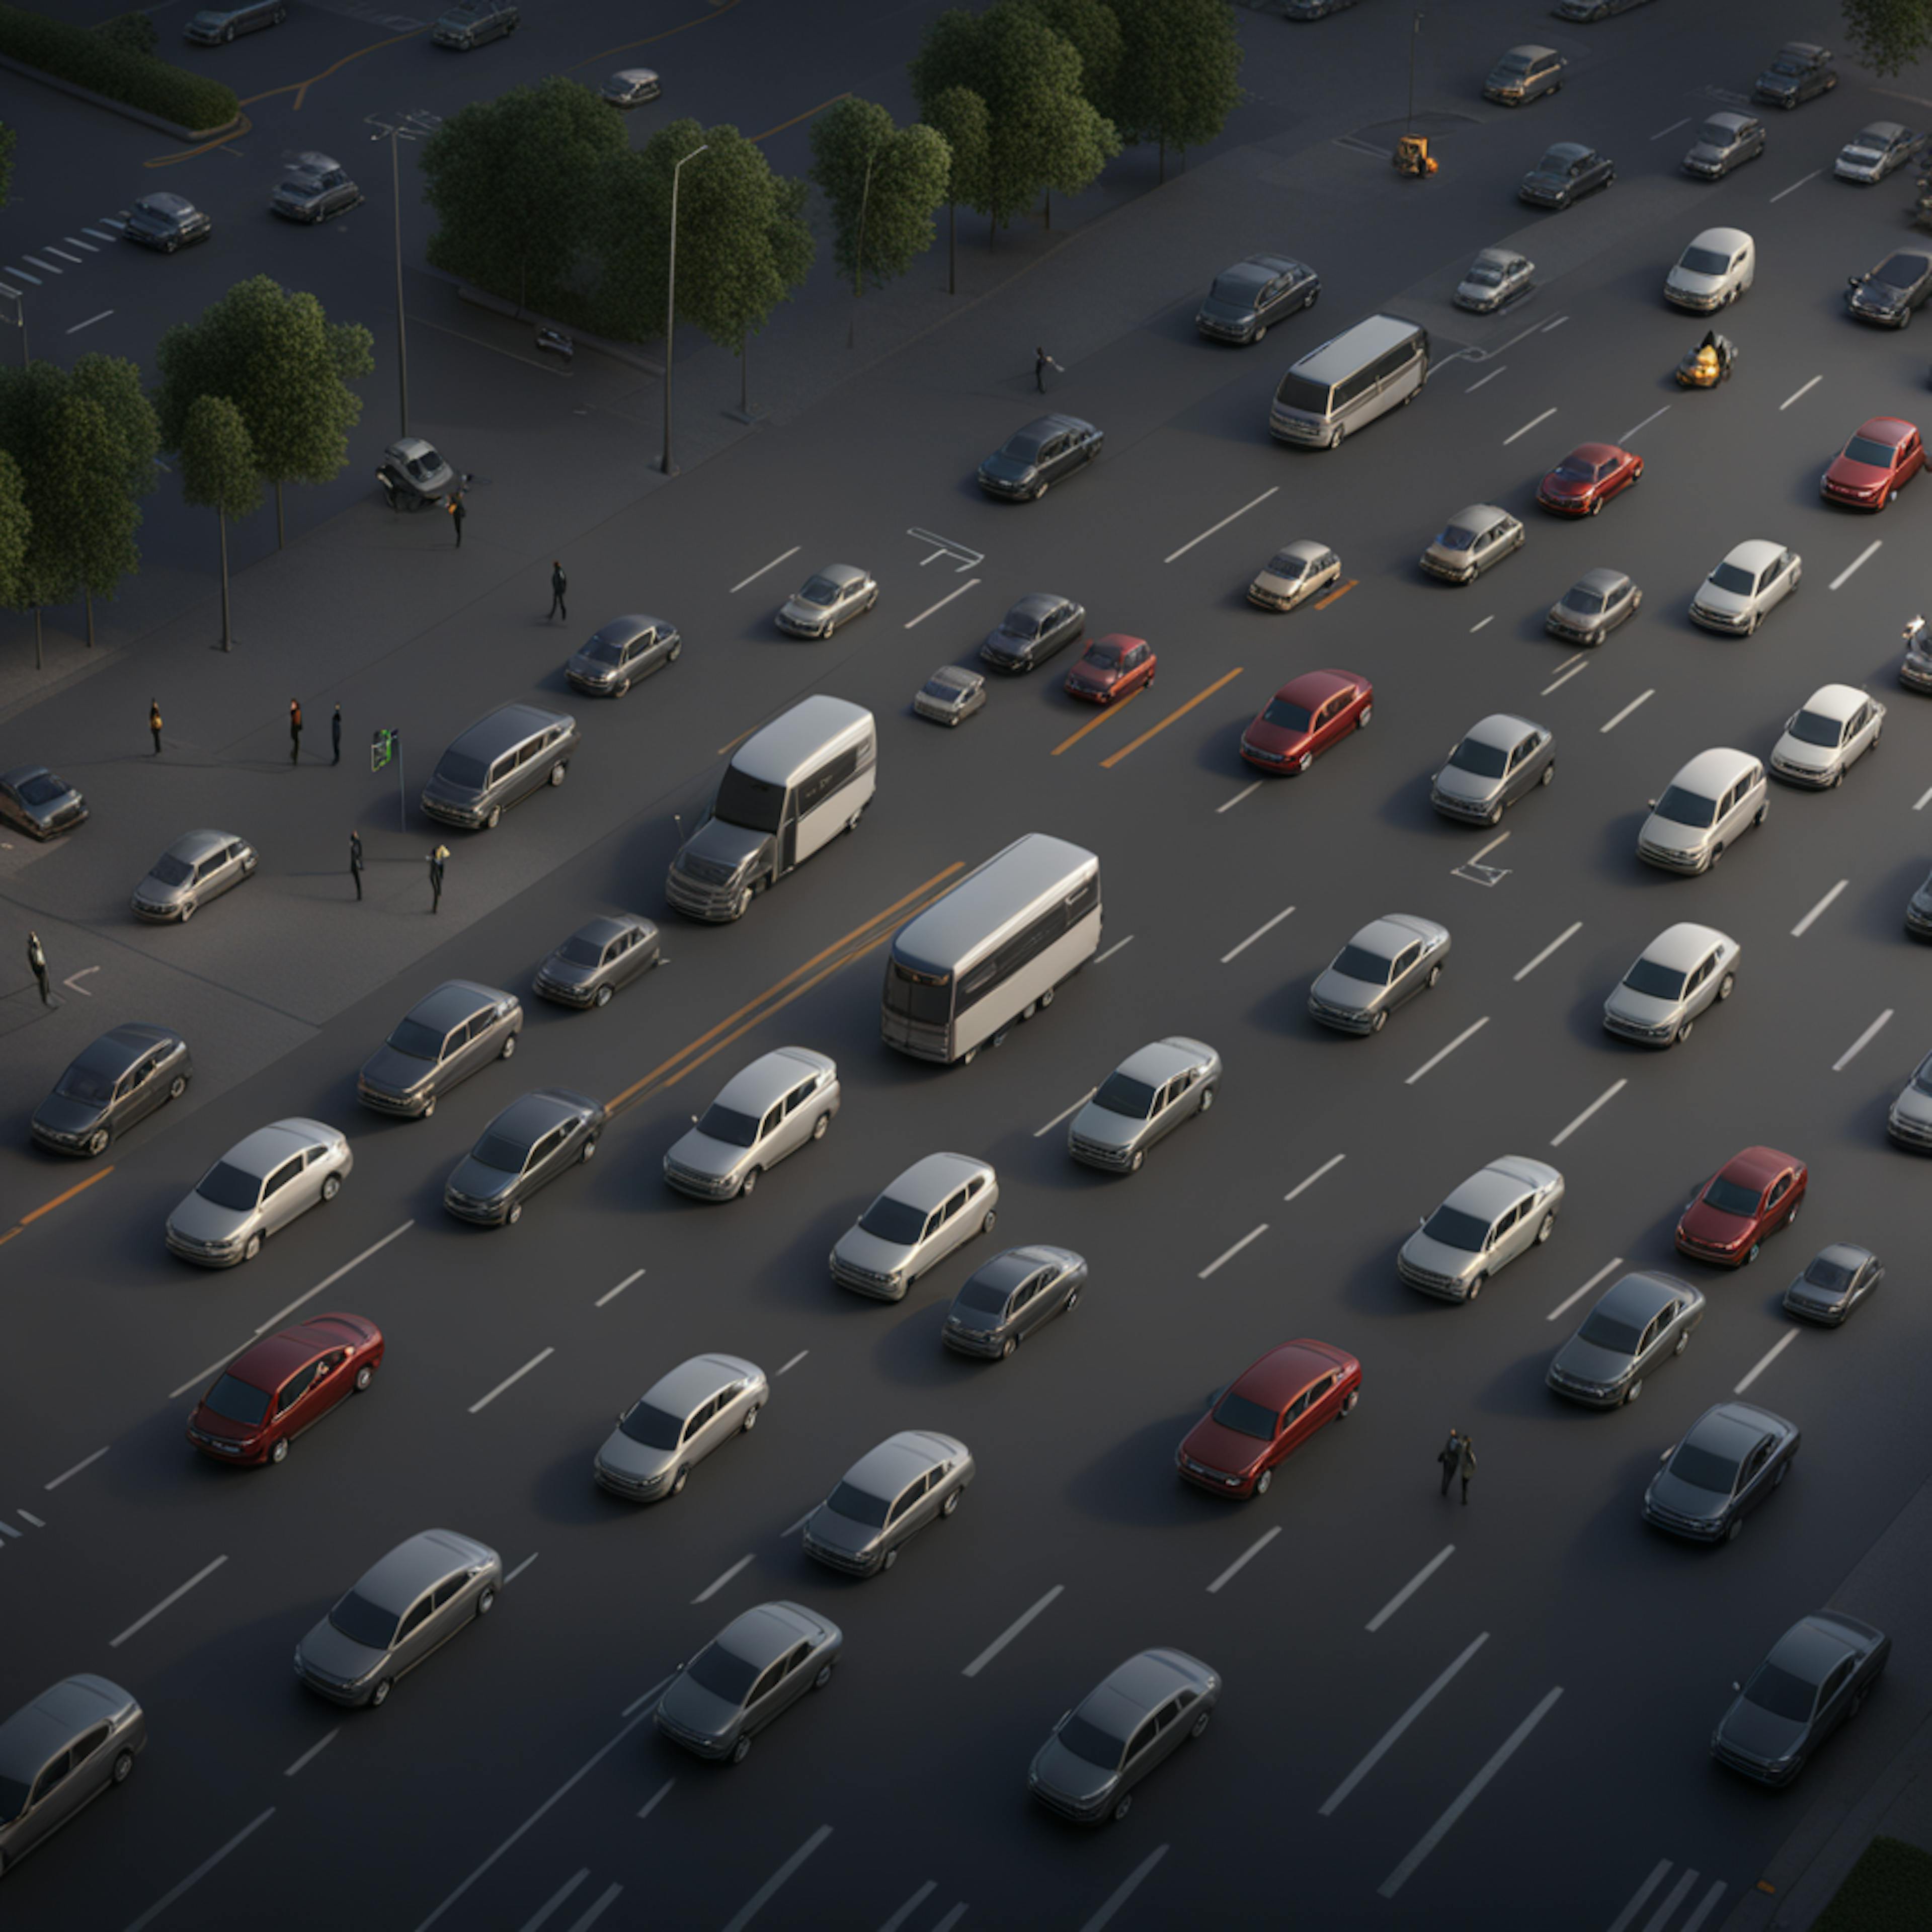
(48, 1206)
(1094, 723)
(189, 153)
(1107, 764)
(738, 740)
(718, 7)
(1340, 590)
(797, 118)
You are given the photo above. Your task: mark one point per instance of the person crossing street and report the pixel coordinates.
(1449, 1455)
(335, 736)
(36, 958)
(456, 513)
(356, 861)
(437, 859)
(294, 729)
(154, 722)
(559, 585)
(1467, 1466)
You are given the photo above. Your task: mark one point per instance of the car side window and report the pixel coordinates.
(294, 1388)
(209, 867)
(770, 1123)
(1145, 1736)
(1841, 1676)
(417, 1616)
(1320, 1390)
(798, 1096)
(905, 1501)
(1407, 957)
(1166, 1715)
(85, 1747)
(699, 1416)
(1755, 1462)
(767, 1682)
(282, 1176)
(1294, 1409)
(1780, 1188)
(56, 1769)
(1522, 752)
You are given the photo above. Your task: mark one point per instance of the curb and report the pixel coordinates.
(619, 352)
(120, 107)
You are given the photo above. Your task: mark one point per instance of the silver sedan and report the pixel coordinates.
(1142, 1101)
(1754, 578)
(1385, 965)
(783, 1099)
(1495, 277)
(67, 1746)
(1137, 1716)
(937, 1205)
(261, 1184)
(619, 653)
(839, 592)
(887, 1497)
(1501, 759)
(1295, 574)
(753, 1671)
(951, 693)
(1909, 1121)
(677, 1423)
(199, 866)
(1500, 1212)
(1593, 607)
(1683, 972)
(1471, 541)
(1838, 725)
(1639, 1322)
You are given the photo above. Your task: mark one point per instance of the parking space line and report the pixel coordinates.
(173, 1597)
(1562, 939)
(611, 1294)
(1179, 712)
(1221, 526)
(1220, 1260)
(510, 1381)
(1302, 1186)
(1101, 959)
(1528, 426)
(329, 1281)
(711, 1589)
(90, 321)
(1603, 1099)
(1796, 186)
(1066, 1114)
(761, 569)
(913, 622)
(39, 264)
(1765, 1361)
(1555, 322)
(1621, 1921)
(1476, 858)
(1569, 1301)
(1858, 562)
(1796, 393)
(1241, 1562)
(798, 1357)
(1863, 1040)
(21, 275)
(201, 1871)
(1805, 924)
(1408, 1589)
(952, 1918)
(85, 1462)
(1094, 724)
(1634, 703)
(1644, 424)
(1705, 1907)
(1436, 1059)
(64, 255)
(1672, 1899)
(30, 1517)
(541, 1915)
(1258, 932)
(1124, 1891)
(657, 1797)
(911, 1906)
(1012, 1630)
(79, 244)
(763, 1896)
(313, 1752)
(1380, 1749)
(105, 223)
(1243, 792)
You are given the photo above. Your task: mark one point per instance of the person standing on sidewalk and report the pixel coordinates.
(335, 736)
(356, 867)
(294, 729)
(154, 722)
(457, 513)
(1467, 1466)
(1042, 362)
(436, 865)
(36, 958)
(559, 584)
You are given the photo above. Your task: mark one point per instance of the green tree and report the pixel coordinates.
(125, 461)
(1889, 34)
(219, 472)
(1093, 30)
(959, 116)
(16, 534)
(882, 184)
(1180, 71)
(515, 183)
(132, 33)
(6, 140)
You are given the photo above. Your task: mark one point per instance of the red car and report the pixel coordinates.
(1114, 666)
(1305, 717)
(1878, 462)
(1746, 1201)
(1267, 1414)
(282, 1385)
(1587, 478)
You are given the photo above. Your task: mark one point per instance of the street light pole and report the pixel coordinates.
(1415, 31)
(407, 126)
(670, 468)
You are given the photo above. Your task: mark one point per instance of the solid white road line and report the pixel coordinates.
(1241, 1562)
(521, 1568)
(657, 1797)
(1562, 939)
(1436, 1059)
(201, 1380)
(1796, 186)
(1865, 557)
(711, 1590)
(1924, 799)
(1481, 379)
(33, 1519)
(1301, 1186)
(585, 1920)
(1569, 1301)
(1863, 1040)
(636, 1704)
(86, 1461)
(582, 1771)
(1482, 624)
(761, 569)
(1408, 1589)
(79, 244)
(1805, 924)
(1796, 393)
(1333, 1802)
(1527, 427)
(1255, 1234)
(1764, 1361)
(1260, 931)
(952, 1918)
(1221, 526)
(1672, 1899)
(912, 623)
(542, 1913)
(510, 1381)
(1012, 1630)
(1672, 129)
(1626, 712)
(1564, 678)
(793, 1529)
(611, 1294)
(201, 1576)
(1705, 1907)
(90, 321)
(1556, 323)
(1124, 1890)
(201, 1871)
(1245, 791)
(911, 1906)
(329, 1281)
(1621, 1921)
(1644, 424)
(1102, 958)
(795, 1360)
(763, 1896)
(1470, 1793)
(314, 1751)
(1603, 1098)
(1038, 1132)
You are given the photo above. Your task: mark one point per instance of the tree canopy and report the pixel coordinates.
(882, 184)
(1180, 69)
(1890, 35)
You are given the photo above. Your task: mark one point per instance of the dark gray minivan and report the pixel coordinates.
(498, 762)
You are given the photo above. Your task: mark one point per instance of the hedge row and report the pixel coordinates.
(78, 54)
(1888, 1890)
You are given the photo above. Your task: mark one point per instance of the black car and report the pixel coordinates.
(1032, 631)
(1818, 1674)
(1003, 1303)
(1567, 173)
(600, 956)
(1731, 1458)
(1591, 10)
(447, 1035)
(621, 652)
(167, 222)
(473, 23)
(1311, 10)
(1049, 450)
(1835, 1281)
(1724, 142)
(122, 1078)
(1802, 71)
(525, 1147)
(1888, 294)
(1248, 299)
(315, 188)
(33, 800)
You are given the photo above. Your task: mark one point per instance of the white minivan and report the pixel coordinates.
(1719, 265)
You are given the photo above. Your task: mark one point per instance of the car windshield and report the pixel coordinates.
(1456, 536)
(1715, 134)
(1704, 262)
(940, 685)
(1900, 271)
(1730, 576)
(1659, 981)
(1826, 1273)
(727, 1124)
(1580, 469)
(1704, 1468)
(578, 951)
(1810, 728)
(1288, 715)
(1236, 291)
(1247, 1417)
(894, 1221)
(1104, 657)
(1021, 624)
(460, 769)
(819, 591)
(419, 1042)
(13, 1798)
(1023, 447)
(171, 871)
(1557, 161)
(300, 188)
(1608, 1330)
(1792, 66)
(363, 1622)
(43, 790)
(1866, 144)
(228, 1186)
(1091, 1744)
(1586, 602)
(861, 1505)
(748, 802)
(499, 1151)
(1489, 274)
(424, 465)
(1731, 1197)
(1513, 63)
(1456, 1229)
(1357, 962)
(1297, 392)
(1486, 761)
(984, 1296)
(722, 1673)
(1864, 449)
(82, 1083)
(604, 650)
(1781, 1692)
(1922, 1079)
(1119, 1094)
(238, 1401)
(1285, 563)
(655, 1428)
(1687, 807)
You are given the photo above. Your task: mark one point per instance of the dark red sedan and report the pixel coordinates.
(1745, 1202)
(282, 1384)
(1263, 1418)
(1878, 462)
(1114, 666)
(1306, 716)
(1587, 478)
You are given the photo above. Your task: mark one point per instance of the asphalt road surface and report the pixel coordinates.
(1488, 1716)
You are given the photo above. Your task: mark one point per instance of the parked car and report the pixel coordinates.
(1718, 265)
(66, 1747)
(1884, 456)
(1730, 1459)
(524, 1148)
(1876, 150)
(473, 22)
(1639, 1322)
(1114, 666)
(409, 1606)
(1567, 173)
(1915, 668)
(1888, 294)
(754, 1670)
(166, 222)
(631, 87)
(1521, 74)
(1587, 478)
(677, 1422)
(1499, 760)
(1709, 805)
(449, 1034)
(1838, 725)
(826, 599)
(214, 26)
(1142, 1101)
(282, 1385)
(1754, 578)
(199, 866)
(1724, 142)
(1501, 1212)
(1593, 607)
(121, 1077)
(1248, 299)
(1135, 1717)
(313, 188)
(1835, 1280)
(256, 1188)
(415, 473)
(886, 1497)
(950, 695)
(1681, 974)
(1801, 71)
(937, 1205)
(1754, 1195)
(1048, 450)
(1473, 538)
(1918, 911)
(1494, 280)
(1909, 1119)
(1816, 1675)
(772, 1109)
(1307, 716)
(1011, 1296)
(1036, 627)
(620, 653)
(33, 800)
(1295, 573)
(1384, 966)
(601, 956)
(498, 762)
(1266, 1413)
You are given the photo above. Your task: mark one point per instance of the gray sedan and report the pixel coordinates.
(886, 1497)
(1500, 760)
(1918, 911)
(1835, 1280)
(66, 1747)
(121, 1077)
(1472, 540)
(409, 1606)
(33, 800)
(1293, 575)
(600, 956)
(1385, 965)
(1494, 279)
(1013, 1294)
(1500, 1212)
(783, 1099)
(525, 1147)
(1724, 142)
(950, 695)
(1638, 1323)
(830, 598)
(1838, 725)
(677, 1423)
(620, 653)
(1593, 607)
(447, 1035)
(1683, 972)
(937, 1205)
(199, 866)
(1247, 298)
(1909, 1121)
(260, 1185)
(1038, 625)
(1142, 1101)
(754, 1670)
(1137, 1716)
(1876, 150)
(1731, 1458)
(1818, 1674)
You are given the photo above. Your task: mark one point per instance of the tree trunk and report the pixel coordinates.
(89, 596)
(281, 532)
(39, 658)
(745, 376)
(1163, 160)
(227, 638)
(951, 248)
(1049, 211)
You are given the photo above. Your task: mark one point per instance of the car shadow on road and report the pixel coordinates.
(564, 1491)
(909, 1352)
(1133, 1482)
(1518, 1388)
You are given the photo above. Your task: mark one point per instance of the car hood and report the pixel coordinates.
(1277, 586)
(1004, 468)
(826, 1525)
(1555, 484)
(688, 1703)
(1545, 178)
(623, 1457)
(1225, 311)
(1703, 1222)
(1794, 751)
(336, 1655)
(1640, 1008)
(156, 893)
(1264, 737)
(562, 972)
(157, 224)
(1689, 282)
(1442, 554)
(1856, 475)
(594, 671)
(1915, 1107)
(1672, 1492)
(392, 1073)
(1759, 1733)
(1671, 836)
(1579, 620)
(862, 1250)
(1478, 291)
(1452, 781)
(1003, 640)
(60, 1115)
(1219, 1447)
(1102, 677)
(1727, 603)
(1108, 1129)
(705, 1154)
(1338, 990)
(1072, 1777)
(480, 1182)
(723, 844)
(1425, 1251)
(1589, 1363)
(200, 1219)
(1709, 152)
(1860, 157)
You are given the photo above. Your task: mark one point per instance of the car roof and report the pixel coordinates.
(265, 1364)
(312, 158)
(1684, 945)
(1282, 1373)
(166, 204)
(1130, 1690)
(455, 1000)
(1714, 771)
(1726, 118)
(632, 624)
(768, 1078)
(1810, 50)
(1603, 580)
(1356, 347)
(1726, 1430)
(1595, 452)
(928, 1182)
(1503, 258)
(842, 573)
(760, 1635)
(410, 448)
(115, 1051)
(1886, 131)
(955, 677)
(400, 1578)
(1036, 604)
(1120, 639)
(1304, 547)
(1253, 269)
(1480, 516)
(261, 1153)
(1918, 255)
(680, 1389)
(1846, 1254)
(602, 930)
(1488, 1192)
(509, 724)
(886, 1470)
(775, 755)
(1393, 931)
(1760, 1164)
(198, 845)
(1043, 426)
(1886, 429)
(1569, 151)
(1809, 1651)
(992, 901)
(1161, 1060)
(635, 73)
(38, 1729)
(1836, 701)
(1728, 239)
(1314, 688)
(1011, 1266)
(1531, 48)
(532, 1115)
(1503, 730)
(1640, 1295)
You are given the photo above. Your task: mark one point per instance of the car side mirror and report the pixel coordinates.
(1852, 281)
(1422, 1220)
(1735, 1685)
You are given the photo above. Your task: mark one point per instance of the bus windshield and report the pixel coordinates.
(916, 997)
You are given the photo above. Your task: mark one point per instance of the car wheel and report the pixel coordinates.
(1495, 816)
(1364, 716)
(558, 773)
(589, 1148)
(1138, 1161)
(332, 1186)
(227, 34)
(1126, 1804)
(1751, 1254)
(279, 1451)
(1726, 985)
(1200, 1724)
(750, 1181)
(380, 1695)
(603, 996)
(428, 1108)
(1857, 1704)
(952, 724)
(1635, 1390)
(97, 1142)
(1380, 1021)
(515, 1214)
(493, 818)
(886, 1562)
(672, 655)
(1758, 817)
(1308, 300)
(1476, 1287)
(1040, 492)
(621, 689)
(1336, 435)
(1683, 1342)
(1260, 332)
(1549, 772)
(967, 1058)
(124, 1763)
(253, 1248)
(487, 1602)
(1263, 1482)
(951, 1503)
(1838, 777)
(1007, 1347)
(751, 1421)
(1206, 1099)
(186, 911)
(741, 1750)
(1791, 1219)
(1348, 1402)
(178, 1086)
(1072, 1302)
(365, 1375)
(743, 904)
(1684, 1032)
(1543, 1232)
(823, 1678)
(1596, 505)
(1434, 973)
(677, 1482)
(1717, 853)
(1307, 760)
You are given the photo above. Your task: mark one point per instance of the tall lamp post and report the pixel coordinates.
(670, 468)
(408, 125)
(859, 254)
(1415, 33)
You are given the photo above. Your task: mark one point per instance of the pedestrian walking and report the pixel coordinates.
(389, 484)
(295, 729)
(37, 959)
(436, 864)
(1042, 362)
(1467, 1466)
(1449, 1456)
(356, 867)
(335, 736)
(154, 722)
(457, 513)
(559, 584)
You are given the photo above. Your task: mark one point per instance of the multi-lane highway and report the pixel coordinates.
(1482, 1716)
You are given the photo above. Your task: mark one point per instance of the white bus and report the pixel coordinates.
(992, 950)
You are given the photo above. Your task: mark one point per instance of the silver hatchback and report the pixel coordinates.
(752, 1672)
(829, 598)
(1135, 1717)
(599, 957)
(677, 1423)
(1683, 972)
(886, 1497)
(260, 1185)
(1838, 725)
(1501, 759)
(1500, 1212)
(937, 1205)
(1142, 1101)
(1013, 1294)
(1473, 539)
(783, 1099)
(1593, 607)
(66, 1747)
(1385, 965)
(951, 694)
(1754, 578)
(1639, 1322)
(199, 866)
(1716, 798)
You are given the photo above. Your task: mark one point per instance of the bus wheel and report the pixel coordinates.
(967, 1058)
(1033, 1007)
(1046, 999)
